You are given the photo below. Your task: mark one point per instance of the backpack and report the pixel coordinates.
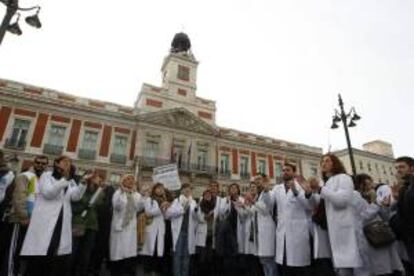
(6, 204)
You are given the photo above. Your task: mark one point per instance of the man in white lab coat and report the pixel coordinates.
(292, 233)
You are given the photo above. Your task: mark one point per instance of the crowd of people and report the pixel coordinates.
(56, 222)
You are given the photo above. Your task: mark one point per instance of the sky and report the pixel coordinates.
(274, 68)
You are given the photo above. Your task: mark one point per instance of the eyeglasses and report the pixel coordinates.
(41, 163)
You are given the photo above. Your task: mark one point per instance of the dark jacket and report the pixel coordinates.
(405, 209)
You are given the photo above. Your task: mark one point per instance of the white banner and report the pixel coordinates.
(168, 176)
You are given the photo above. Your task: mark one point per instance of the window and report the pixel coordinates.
(369, 167)
(202, 159)
(377, 168)
(391, 172)
(383, 170)
(19, 133)
(244, 165)
(262, 167)
(183, 73)
(119, 146)
(114, 178)
(90, 140)
(177, 155)
(57, 135)
(224, 163)
(151, 149)
(361, 165)
(278, 172)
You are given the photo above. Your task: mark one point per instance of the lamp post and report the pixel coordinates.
(12, 8)
(348, 120)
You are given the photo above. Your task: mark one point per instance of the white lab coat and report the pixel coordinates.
(52, 196)
(266, 238)
(338, 196)
(378, 261)
(292, 231)
(123, 241)
(5, 182)
(248, 225)
(201, 229)
(155, 231)
(242, 213)
(176, 214)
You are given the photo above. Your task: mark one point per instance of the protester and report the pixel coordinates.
(251, 261)
(292, 232)
(205, 232)
(24, 195)
(382, 260)
(154, 237)
(230, 233)
(126, 203)
(322, 254)
(337, 194)
(265, 234)
(6, 228)
(85, 224)
(104, 212)
(48, 241)
(403, 222)
(183, 216)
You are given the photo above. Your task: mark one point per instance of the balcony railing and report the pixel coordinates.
(150, 162)
(15, 144)
(118, 158)
(244, 175)
(225, 173)
(52, 149)
(87, 154)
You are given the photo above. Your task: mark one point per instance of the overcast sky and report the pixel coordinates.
(273, 67)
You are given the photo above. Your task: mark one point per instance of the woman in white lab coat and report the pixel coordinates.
(48, 241)
(126, 202)
(155, 207)
(338, 197)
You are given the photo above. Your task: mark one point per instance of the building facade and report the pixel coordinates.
(375, 159)
(167, 123)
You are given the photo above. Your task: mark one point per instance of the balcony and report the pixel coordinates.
(245, 175)
(52, 149)
(87, 154)
(15, 144)
(151, 162)
(225, 173)
(118, 158)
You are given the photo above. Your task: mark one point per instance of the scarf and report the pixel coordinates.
(129, 210)
(159, 199)
(207, 206)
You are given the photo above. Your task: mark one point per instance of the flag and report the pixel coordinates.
(189, 154)
(173, 153)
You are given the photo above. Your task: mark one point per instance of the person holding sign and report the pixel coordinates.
(126, 202)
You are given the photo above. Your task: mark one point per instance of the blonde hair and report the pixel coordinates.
(125, 176)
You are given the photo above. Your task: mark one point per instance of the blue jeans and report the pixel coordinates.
(181, 259)
(269, 266)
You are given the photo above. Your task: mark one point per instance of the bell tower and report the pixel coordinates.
(179, 84)
(179, 69)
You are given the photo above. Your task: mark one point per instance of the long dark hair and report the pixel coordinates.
(337, 165)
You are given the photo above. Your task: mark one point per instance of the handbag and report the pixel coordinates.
(379, 234)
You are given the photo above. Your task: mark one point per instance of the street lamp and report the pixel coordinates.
(348, 120)
(12, 8)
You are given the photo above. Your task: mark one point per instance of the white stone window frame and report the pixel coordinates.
(84, 129)
(127, 145)
(65, 136)
(259, 160)
(11, 123)
(248, 169)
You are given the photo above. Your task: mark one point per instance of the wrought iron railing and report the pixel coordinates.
(87, 154)
(15, 144)
(52, 149)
